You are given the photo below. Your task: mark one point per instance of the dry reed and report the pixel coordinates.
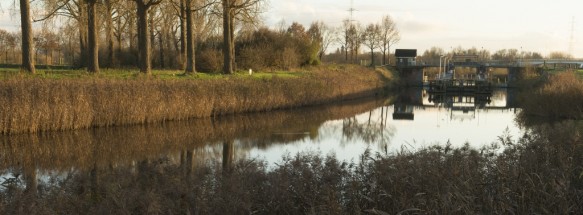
(36, 104)
(561, 97)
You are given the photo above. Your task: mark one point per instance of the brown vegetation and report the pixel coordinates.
(541, 172)
(35, 104)
(102, 147)
(561, 97)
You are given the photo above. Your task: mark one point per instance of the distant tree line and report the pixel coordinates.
(434, 53)
(196, 35)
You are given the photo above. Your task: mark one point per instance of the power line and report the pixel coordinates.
(351, 10)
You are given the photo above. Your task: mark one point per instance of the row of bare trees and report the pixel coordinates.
(375, 36)
(179, 33)
(134, 25)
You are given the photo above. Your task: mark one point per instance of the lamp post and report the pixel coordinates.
(439, 73)
(445, 63)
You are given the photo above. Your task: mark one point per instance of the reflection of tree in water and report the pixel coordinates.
(374, 130)
(188, 143)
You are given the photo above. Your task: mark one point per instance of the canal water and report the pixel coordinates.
(408, 121)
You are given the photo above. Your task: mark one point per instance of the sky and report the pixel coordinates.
(542, 26)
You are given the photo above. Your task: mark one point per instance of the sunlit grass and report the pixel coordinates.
(124, 74)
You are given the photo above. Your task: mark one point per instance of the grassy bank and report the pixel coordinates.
(540, 173)
(558, 96)
(58, 102)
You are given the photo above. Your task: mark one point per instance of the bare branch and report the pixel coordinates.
(52, 13)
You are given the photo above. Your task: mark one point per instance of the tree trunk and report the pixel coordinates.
(227, 49)
(93, 64)
(384, 56)
(389, 54)
(372, 57)
(143, 38)
(190, 58)
(182, 56)
(232, 37)
(161, 45)
(152, 35)
(109, 33)
(27, 53)
(82, 36)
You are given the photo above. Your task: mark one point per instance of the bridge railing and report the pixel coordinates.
(506, 63)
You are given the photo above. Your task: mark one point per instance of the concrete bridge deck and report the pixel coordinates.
(576, 63)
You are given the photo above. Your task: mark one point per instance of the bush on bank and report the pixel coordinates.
(41, 104)
(560, 97)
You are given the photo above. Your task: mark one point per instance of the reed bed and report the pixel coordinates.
(39, 104)
(102, 147)
(560, 97)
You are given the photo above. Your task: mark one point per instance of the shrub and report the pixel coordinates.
(561, 97)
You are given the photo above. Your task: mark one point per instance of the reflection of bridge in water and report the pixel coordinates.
(456, 103)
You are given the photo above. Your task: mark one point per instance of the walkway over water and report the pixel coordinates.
(574, 63)
(453, 73)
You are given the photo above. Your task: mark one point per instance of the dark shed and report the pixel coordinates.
(406, 57)
(406, 53)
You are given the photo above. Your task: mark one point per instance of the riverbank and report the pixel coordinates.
(54, 103)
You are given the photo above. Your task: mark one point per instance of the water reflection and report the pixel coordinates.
(423, 119)
(185, 142)
(412, 120)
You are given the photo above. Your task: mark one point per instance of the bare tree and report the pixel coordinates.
(26, 23)
(559, 55)
(432, 55)
(190, 41)
(323, 34)
(92, 38)
(372, 39)
(390, 36)
(247, 9)
(354, 40)
(144, 43)
(109, 34)
(5, 43)
(346, 24)
(76, 13)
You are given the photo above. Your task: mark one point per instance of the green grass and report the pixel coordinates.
(579, 73)
(7, 73)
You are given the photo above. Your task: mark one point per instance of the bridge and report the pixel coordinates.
(470, 68)
(569, 63)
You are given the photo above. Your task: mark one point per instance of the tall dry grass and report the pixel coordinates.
(36, 104)
(561, 97)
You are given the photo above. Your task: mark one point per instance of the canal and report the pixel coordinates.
(409, 121)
